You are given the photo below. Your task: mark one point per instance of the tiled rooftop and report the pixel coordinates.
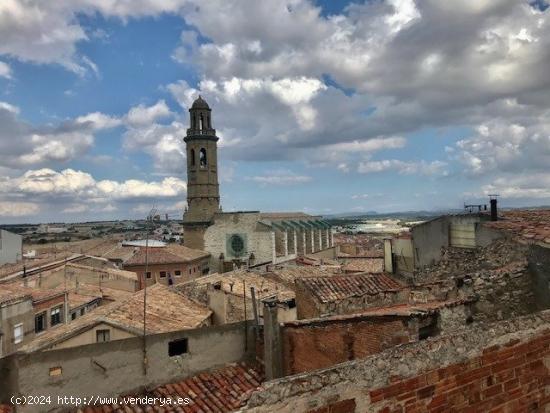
(289, 273)
(16, 289)
(167, 310)
(171, 254)
(370, 265)
(80, 299)
(10, 296)
(399, 310)
(219, 391)
(339, 287)
(526, 225)
(238, 282)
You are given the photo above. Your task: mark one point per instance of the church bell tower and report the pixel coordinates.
(203, 196)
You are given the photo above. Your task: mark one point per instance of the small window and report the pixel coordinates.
(177, 347)
(56, 371)
(102, 336)
(82, 310)
(189, 271)
(163, 274)
(177, 273)
(40, 322)
(192, 155)
(148, 274)
(73, 316)
(55, 316)
(18, 333)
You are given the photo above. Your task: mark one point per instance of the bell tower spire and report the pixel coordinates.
(203, 197)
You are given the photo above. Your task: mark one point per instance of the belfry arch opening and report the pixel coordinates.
(202, 158)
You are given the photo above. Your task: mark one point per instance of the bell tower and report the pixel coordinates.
(203, 196)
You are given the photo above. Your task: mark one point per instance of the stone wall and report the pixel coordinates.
(502, 366)
(498, 275)
(325, 343)
(116, 367)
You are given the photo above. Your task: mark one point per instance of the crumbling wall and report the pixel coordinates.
(502, 366)
(321, 344)
(498, 275)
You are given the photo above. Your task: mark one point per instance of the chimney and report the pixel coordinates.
(494, 210)
(273, 358)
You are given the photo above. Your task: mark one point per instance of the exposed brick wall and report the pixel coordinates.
(314, 346)
(511, 378)
(485, 367)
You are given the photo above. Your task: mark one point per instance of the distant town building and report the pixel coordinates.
(246, 238)
(11, 247)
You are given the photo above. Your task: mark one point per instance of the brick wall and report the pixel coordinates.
(486, 367)
(313, 346)
(510, 378)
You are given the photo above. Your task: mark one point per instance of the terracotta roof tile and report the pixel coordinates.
(370, 265)
(223, 390)
(170, 254)
(167, 310)
(526, 225)
(328, 289)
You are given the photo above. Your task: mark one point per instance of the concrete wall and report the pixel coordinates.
(328, 253)
(11, 247)
(428, 239)
(403, 255)
(114, 368)
(503, 366)
(89, 336)
(539, 267)
(19, 312)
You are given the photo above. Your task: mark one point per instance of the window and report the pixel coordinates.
(56, 371)
(73, 316)
(189, 271)
(192, 155)
(177, 273)
(236, 242)
(177, 347)
(82, 310)
(55, 316)
(40, 322)
(202, 158)
(102, 336)
(148, 274)
(163, 274)
(18, 333)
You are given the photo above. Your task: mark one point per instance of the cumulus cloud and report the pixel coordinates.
(145, 115)
(72, 191)
(526, 186)
(23, 145)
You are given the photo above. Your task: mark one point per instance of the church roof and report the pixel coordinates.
(200, 103)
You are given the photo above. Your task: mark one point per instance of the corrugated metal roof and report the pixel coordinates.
(223, 390)
(339, 287)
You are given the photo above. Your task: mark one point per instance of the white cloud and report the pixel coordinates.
(72, 192)
(98, 121)
(534, 186)
(18, 209)
(5, 70)
(403, 167)
(280, 177)
(145, 115)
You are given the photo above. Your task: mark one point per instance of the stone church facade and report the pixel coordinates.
(246, 238)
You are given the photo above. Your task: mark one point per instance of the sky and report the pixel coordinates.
(321, 106)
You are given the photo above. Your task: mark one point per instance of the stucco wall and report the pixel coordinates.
(116, 367)
(89, 336)
(10, 247)
(10, 316)
(428, 239)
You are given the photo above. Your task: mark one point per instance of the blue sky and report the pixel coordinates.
(323, 107)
